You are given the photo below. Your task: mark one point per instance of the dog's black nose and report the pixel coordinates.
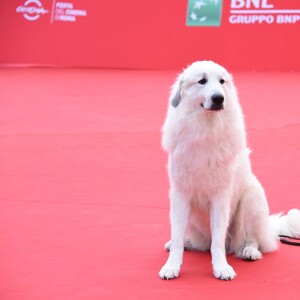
(217, 99)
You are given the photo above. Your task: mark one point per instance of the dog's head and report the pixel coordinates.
(204, 85)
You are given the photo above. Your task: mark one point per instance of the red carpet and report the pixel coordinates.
(84, 189)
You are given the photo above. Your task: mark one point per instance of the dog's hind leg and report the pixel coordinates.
(250, 252)
(194, 241)
(255, 222)
(188, 245)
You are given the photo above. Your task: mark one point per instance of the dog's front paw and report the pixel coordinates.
(224, 272)
(169, 272)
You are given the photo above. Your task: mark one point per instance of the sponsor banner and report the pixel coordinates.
(240, 34)
(62, 11)
(241, 12)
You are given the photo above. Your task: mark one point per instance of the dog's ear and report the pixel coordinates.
(175, 94)
(229, 79)
(230, 83)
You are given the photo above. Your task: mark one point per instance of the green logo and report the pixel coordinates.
(204, 13)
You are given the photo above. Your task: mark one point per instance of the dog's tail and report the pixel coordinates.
(287, 225)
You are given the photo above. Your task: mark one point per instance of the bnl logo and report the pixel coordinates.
(204, 13)
(209, 12)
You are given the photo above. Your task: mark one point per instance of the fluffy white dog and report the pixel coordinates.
(217, 203)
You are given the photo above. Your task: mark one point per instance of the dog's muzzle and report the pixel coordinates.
(217, 102)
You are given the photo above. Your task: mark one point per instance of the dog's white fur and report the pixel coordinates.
(217, 203)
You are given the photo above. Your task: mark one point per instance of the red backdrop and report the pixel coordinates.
(143, 34)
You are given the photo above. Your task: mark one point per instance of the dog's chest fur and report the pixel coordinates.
(204, 156)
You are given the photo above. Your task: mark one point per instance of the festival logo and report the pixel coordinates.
(66, 12)
(32, 10)
(61, 11)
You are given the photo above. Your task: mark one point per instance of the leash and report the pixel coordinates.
(285, 239)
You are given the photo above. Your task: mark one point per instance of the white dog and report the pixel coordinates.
(217, 203)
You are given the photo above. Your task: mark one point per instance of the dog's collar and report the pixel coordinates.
(285, 239)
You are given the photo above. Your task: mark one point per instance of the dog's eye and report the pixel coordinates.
(222, 81)
(202, 81)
